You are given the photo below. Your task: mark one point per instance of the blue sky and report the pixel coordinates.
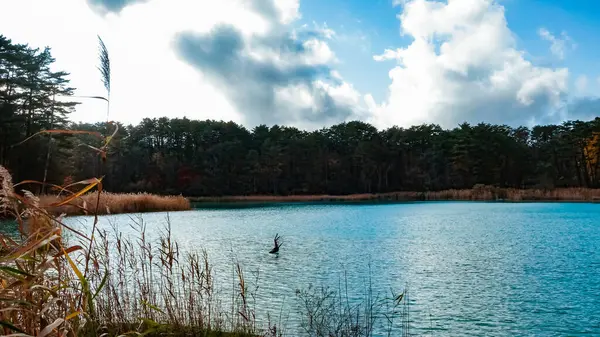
(312, 63)
(579, 18)
(371, 25)
(376, 20)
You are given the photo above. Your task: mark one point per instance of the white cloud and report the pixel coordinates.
(344, 94)
(149, 76)
(299, 96)
(336, 74)
(323, 29)
(558, 45)
(320, 53)
(316, 52)
(269, 76)
(289, 10)
(463, 66)
(148, 79)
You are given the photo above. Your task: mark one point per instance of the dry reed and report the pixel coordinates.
(478, 193)
(116, 203)
(102, 284)
(56, 281)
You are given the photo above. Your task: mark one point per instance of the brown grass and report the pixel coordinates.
(104, 283)
(101, 284)
(477, 193)
(115, 203)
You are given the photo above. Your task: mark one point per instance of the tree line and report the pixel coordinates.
(224, 158)
(199, 158)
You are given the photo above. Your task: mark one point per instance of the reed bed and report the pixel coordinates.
(115, 203)
(172, 291)
(489, 193)
(477, 193)
(58, 281)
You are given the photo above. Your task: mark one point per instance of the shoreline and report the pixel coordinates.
(126, 203)
(575, 195)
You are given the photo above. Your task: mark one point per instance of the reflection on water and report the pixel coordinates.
(472, 269)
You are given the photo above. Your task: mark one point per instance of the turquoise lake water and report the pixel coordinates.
(472, 269)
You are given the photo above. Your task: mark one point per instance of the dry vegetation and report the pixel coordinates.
(56, 281)
(93, 284)
(477, 193)
(115, 203)
(511, 194)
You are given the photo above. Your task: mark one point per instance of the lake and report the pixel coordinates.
(471, 268)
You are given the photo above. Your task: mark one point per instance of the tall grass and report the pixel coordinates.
(57, 281)
(54, 283)
(115, 203)
(169, 289)
(175, 291)
(36, 295)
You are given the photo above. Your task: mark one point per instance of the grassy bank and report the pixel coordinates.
(478, 193)
(114, 203)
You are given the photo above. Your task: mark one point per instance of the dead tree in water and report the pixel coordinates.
(277, 244)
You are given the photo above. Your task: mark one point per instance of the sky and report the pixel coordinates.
(315, 63)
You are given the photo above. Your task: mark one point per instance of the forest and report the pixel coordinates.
(217, 158)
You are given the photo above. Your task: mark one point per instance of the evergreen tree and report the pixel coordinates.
(31, 101)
